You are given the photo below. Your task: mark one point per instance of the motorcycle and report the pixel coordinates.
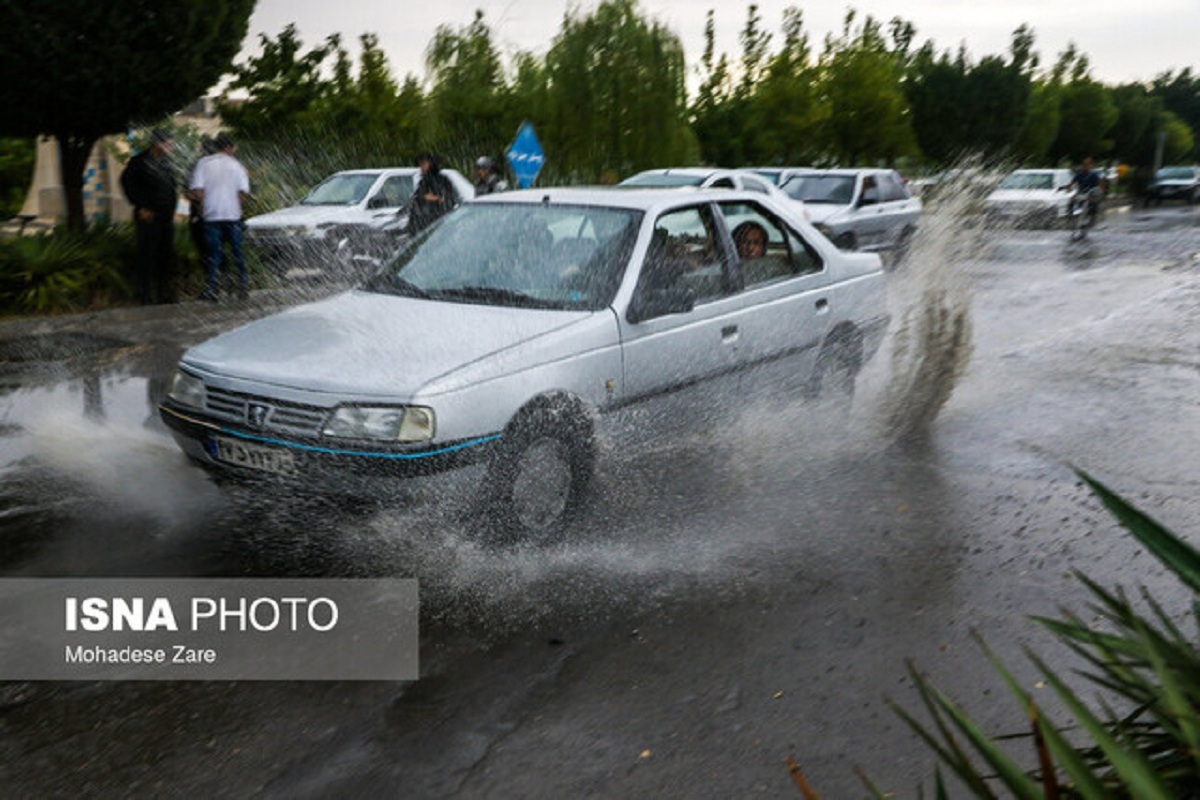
(1082, 211)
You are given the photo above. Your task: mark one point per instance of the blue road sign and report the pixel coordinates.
(525, 156)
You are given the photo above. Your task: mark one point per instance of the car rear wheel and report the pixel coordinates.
(540, 474)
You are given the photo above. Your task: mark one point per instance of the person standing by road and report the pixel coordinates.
(221, 184)
(150, 185)
(196, 207)
(487, 177)
(433, 197)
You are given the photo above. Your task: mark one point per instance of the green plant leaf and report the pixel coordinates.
(1177, 555)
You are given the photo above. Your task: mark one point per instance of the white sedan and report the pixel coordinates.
(513, 328)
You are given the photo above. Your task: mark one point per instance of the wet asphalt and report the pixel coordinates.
(738, 592)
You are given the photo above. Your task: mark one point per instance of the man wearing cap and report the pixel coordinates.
(150, 185)
(220, 184)
(487, 177)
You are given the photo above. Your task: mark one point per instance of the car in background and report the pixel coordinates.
(508, 336)
(780, 175)
(700, 177)
(353, 215)
(1175, 183)
(857, 208)
(1036, 197)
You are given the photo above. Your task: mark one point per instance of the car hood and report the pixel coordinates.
(306, 216)
(373, 345)
(823, 212)
(1048, 196)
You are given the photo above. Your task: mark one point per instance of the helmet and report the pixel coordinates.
(483, 162)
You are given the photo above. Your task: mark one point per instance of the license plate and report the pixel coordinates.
(255, 456)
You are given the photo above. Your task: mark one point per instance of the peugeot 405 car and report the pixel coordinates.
(509, 333)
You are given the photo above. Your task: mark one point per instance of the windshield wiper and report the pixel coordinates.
(388, 283)
(493, 294)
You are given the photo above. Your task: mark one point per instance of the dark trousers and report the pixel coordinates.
(217, 235)
(156, 259)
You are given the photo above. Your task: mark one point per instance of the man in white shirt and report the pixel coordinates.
(220, 184)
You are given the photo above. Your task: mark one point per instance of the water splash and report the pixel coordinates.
(930, 343)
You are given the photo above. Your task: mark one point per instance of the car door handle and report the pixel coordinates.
(729, 334)
(822, 305)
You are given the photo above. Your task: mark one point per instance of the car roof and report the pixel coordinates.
(638, 198)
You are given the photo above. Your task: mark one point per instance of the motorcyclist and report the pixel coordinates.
(487, 177)
(1089, 181)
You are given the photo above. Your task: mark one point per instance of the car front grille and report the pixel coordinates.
(264, 413)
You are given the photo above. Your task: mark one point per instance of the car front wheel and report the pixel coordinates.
(540, 475)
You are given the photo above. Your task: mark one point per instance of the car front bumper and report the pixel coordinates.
(238, 450)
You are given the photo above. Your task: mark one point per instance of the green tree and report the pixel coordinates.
(1133, 134)
(17, 157)
(467, 93)
(283, 85)
(785, 111)
(1041, 122)
(718, 115)
(1180, 94)
(616, 96)
(861, 87)
(1086, 109)
(79, 69)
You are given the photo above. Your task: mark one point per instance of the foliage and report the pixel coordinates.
(616, 95)
(1144, 739)
(78, 69)
(1180, 93)
(860, 81)
(17, 157)
(466, 103)
(65, 270)
(959, 107)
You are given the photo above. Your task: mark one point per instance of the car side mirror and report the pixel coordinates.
(378, 201)
(652, 303)
(869, 198)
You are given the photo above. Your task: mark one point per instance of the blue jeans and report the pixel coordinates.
(217, 234)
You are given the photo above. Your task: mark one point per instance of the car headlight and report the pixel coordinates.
(187, 390)
(389, 423)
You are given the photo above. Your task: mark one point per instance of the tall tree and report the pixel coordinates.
(785, 112)
(1180, 93)
(1086, 109)
(81, 69)
(861, 82)
(283, 83)
(466, 100)
(617, 94)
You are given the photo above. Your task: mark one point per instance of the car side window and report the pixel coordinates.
(684, 255)
(395, 192)
(891, 189)
(768, 249)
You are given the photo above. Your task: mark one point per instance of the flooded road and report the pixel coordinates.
(735, 594)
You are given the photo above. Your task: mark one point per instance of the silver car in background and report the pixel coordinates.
(857, 208)
(515, 330)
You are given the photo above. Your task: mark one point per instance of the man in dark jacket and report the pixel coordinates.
(433, 197)
(149, 183)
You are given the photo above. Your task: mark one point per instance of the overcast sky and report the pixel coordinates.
(1125, 40)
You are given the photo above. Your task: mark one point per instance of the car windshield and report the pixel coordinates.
(834, 189)
(341, 190)
(517, 254)
(1175, 174)
(1028, 180)
(663, 179)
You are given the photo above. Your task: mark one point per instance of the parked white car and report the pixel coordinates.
(857, 208)
(350, 214)
(1031, 197)
(515, 331)
(701, 177)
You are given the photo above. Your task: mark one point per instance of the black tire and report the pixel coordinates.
(540, 474)
(837, 366)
